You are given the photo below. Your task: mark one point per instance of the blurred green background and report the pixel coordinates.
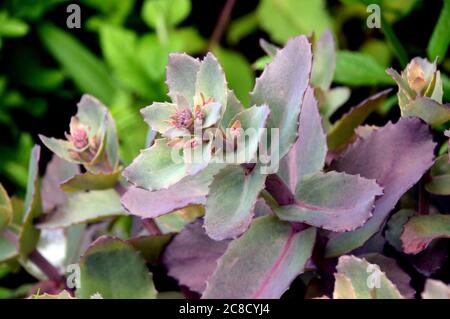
(120, 52)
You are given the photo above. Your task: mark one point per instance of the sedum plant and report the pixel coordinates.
(301, 198)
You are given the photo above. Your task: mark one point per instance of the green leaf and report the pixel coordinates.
(333, 201)
(242, 27)
(211, 80)
(231, 200)
(84, 68)
(8, 250)
(282, 86)
(155, 167)
(90, 181)
(251, 270)
(113, 269)
(395, 225)
(421, 230)
(359, 69)
(119, 47)
(354, 276)
(182, 71)
(435, 289)
(307, 155)
(324, 62)
(284, 19)
(238, 72)
(6, 210)
(29, 235)
(344, 129)
(83, 207)
(440, 39)
(150, 247)
(428, 110)
(170, 12)
(12, 27)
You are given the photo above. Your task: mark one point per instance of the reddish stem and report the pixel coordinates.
(151, 226)
(221, 23)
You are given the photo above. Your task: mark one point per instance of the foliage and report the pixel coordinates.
(316, 191)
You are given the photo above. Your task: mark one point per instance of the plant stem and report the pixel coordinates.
(46, 267)
(36, 258)
(424, 204)
(221, 24)
(151, 226)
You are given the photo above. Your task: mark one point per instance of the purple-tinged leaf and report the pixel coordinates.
(192, 256)
(421, 230)
(231, 200)
(181, 75)
(234, 106)
(307, 155)
(396, 156)
(263, 262)
(344, 129)
(333, 201)
(211, 82)
(435, 289)
(282, 86)
(58, 170)
(324, 62)
(151, 204)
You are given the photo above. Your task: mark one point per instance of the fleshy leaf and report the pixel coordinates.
(324, 61)
(428, 110)
(395, 225)
(396, 156)
(333, 201)
(354, 276)
(419, 231)
(90, 181)
(343, 130)
(6, 210)
(393, 272)
(439, 183)
(307, 155)
(252, 121)
(150, 247)
(181, 74)
(113, 269)
(158, 114)
(231, 200)
(435, 289)
(211, 81)
(83, 207)
(190, 190)
(192, 256)
(8, 250)
(154, 168)
(282, 86)
(58, 170)
(251, 270)
(29, 235)
(234, 106)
